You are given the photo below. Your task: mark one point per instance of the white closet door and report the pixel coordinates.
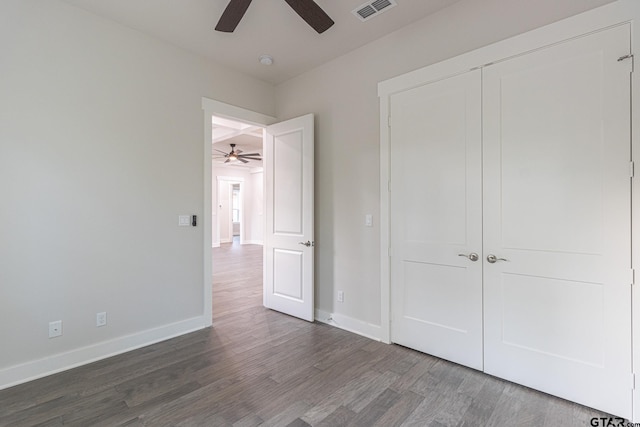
(557, 208)
(436, 207)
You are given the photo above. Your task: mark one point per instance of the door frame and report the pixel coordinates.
(613, 14)
(211, 108)
(230, 181)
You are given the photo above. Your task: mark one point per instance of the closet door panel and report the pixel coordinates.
(436, 208)
(557, 209)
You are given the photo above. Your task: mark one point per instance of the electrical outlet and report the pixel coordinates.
(55, 328)
(340, 296)
(101, 318)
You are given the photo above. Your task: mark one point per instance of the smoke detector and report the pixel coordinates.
(266, 60)
(366, 11)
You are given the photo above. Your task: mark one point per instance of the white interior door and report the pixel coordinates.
(557, 209)
(289, 240)
(436, 211)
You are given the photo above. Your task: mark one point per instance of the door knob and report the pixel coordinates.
(493, 259)
(308, 243)
(472, 256)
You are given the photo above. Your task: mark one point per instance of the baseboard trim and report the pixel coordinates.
(253, 242)
(350, 324)
(53, 364)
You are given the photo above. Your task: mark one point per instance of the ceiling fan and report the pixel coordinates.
(235, 155)
(307, 9)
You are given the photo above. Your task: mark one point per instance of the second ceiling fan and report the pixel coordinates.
(236, 155)
(307, 9)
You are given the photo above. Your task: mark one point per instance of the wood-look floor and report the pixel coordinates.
(258, 367)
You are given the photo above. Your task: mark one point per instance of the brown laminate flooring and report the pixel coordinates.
(259, 367)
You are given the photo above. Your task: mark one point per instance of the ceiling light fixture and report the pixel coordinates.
(266, 59)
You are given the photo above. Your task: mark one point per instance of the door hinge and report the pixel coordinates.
(633, 381)
(389, 121)
(632, 169)
(633, 276)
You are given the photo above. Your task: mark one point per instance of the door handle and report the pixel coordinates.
(492, 259)
(472, 256)
(308, 243)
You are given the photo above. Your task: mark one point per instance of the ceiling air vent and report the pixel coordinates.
(370, 9)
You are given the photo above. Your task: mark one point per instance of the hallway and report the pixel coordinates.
(237, 279)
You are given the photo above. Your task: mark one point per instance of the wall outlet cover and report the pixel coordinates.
(101, 319)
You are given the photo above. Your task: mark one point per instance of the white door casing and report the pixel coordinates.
(289, 230)
(436, 207)
(557, 198)
(222, 206)
(211, 108)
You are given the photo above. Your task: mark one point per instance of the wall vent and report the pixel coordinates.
(366, 11)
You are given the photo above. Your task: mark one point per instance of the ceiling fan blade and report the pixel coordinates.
(220, 151)
(243, 160)
(312, 14)
(250, 158)
(252, 154)
(238, 151)
(232, 15)
(227, 161)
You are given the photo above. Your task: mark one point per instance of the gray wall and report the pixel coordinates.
(343, 94)
(101, 148)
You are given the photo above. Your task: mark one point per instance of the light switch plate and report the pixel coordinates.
(184, 220)
(368, 220)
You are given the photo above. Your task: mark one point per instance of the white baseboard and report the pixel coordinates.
(350, 324)
(253, 242)
(215, 245)
(35, 369)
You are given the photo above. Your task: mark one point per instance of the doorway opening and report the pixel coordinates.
(230, 218)
(235, 211)
(283, 209)
(237, 215)
(238, 182)
(222, 111)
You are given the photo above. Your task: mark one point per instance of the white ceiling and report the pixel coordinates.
(269, 27)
